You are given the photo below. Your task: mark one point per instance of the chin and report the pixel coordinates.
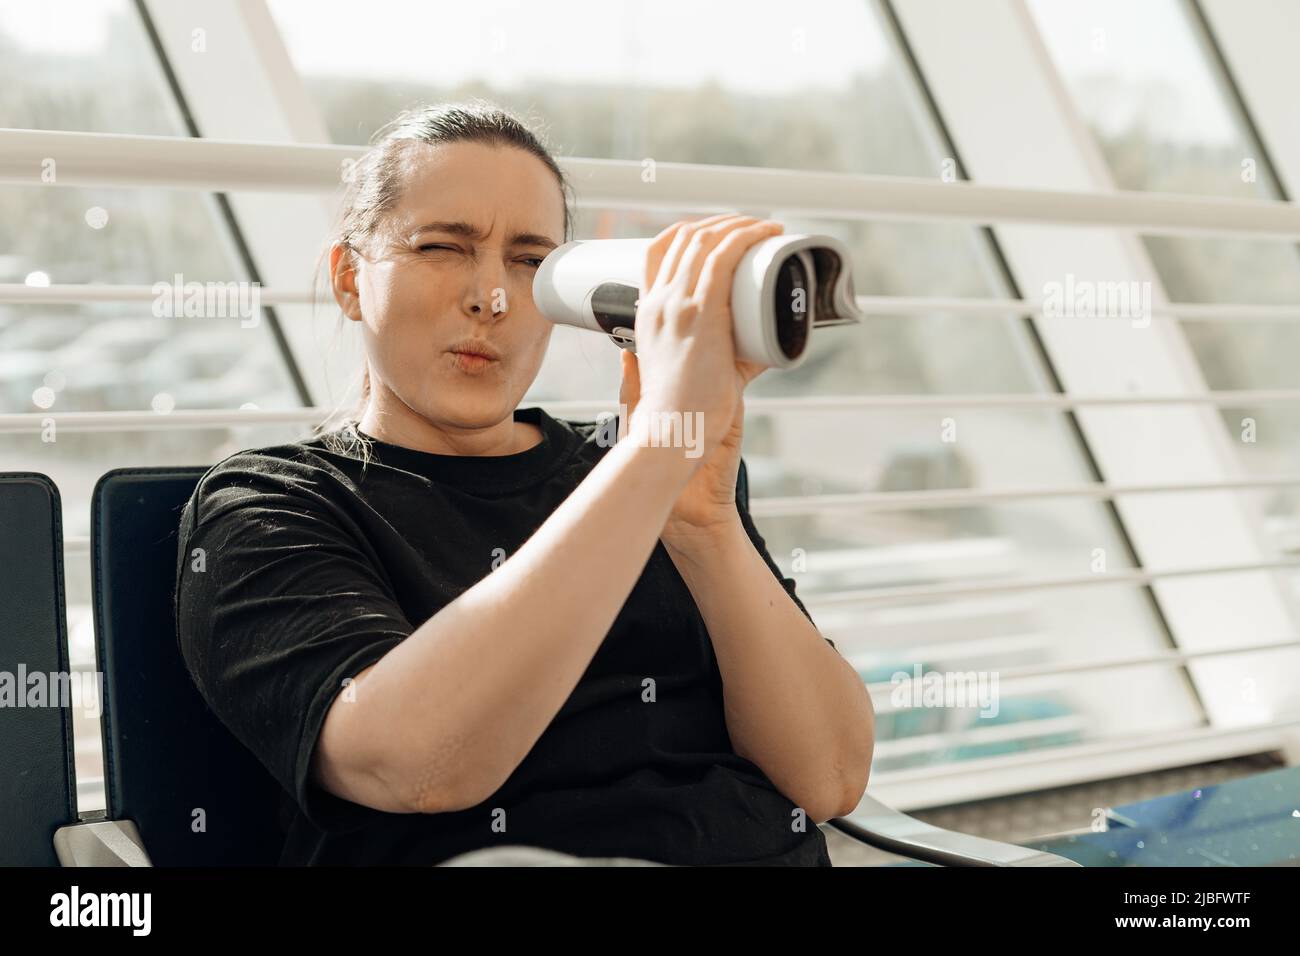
(471, 410)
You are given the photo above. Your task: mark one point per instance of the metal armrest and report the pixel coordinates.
(100, 842)
(887, 829)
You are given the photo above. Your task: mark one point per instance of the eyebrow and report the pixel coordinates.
(465, 229)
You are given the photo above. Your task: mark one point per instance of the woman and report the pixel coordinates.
(454, 624)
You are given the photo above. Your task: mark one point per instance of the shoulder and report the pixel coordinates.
(302, 469)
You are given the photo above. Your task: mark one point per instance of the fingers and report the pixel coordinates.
(694, 264)
(654, 257)
(713, 290)
(684, 235)
(629, 390)
(697, 251)
(665, 250)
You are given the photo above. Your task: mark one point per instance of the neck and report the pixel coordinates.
(398, 424)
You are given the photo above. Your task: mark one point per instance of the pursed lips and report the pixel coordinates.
(481, 350)
(472, 360)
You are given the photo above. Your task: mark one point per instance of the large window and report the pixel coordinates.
(750, 84)
(88, 66)
(823, 91)
(1146, 78)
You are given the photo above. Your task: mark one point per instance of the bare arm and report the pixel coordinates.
(794, 706)
(442, 720)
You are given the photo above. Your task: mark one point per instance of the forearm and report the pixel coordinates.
(793, 705)
(462, 701)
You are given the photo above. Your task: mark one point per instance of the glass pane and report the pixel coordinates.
(81, 65)
(88, 66)
(1155, 99)
(741, 86)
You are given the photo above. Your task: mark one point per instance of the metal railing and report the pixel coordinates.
(104, 159)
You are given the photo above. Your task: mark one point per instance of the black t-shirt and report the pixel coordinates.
(315, 569)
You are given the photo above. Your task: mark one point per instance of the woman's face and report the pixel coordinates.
(454, 261)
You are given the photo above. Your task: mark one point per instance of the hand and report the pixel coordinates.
(686, 360)
(707, 505)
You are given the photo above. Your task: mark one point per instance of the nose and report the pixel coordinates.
(486, 307)
(486, 295)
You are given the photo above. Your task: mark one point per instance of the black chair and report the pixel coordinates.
(167, 755)
(197, 796)
(38, 785)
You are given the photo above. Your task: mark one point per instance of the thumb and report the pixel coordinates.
(629, 390)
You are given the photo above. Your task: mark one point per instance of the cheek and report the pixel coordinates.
(405, 305)
(539, 341)
(412, 284)
(533, 328)
(400, 330)
(524, 281)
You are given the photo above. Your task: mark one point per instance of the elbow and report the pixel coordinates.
(855, 790)
(833, 803)
(431, 801)
(850, 769)
(839, 801)
(844, 779)
(370, 759)
(448, 781)
(445, 796)
(423, 794)
(840, 795)
(852, 773)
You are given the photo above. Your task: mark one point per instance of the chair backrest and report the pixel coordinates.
(198, 796)
(38, 786)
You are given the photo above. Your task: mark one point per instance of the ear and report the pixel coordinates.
(343, 280)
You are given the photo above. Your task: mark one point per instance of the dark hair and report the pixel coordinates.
(373, 185)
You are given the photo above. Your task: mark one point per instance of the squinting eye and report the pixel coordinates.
(536, 260)
(448, 248)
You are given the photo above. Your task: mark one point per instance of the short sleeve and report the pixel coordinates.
(278, 599)
(761, 546)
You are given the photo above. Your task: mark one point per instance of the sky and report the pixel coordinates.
(761, 45)
(1135, 41)
(751, 45)
(754, 46)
